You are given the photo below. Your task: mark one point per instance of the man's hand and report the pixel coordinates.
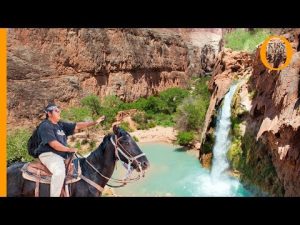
(98, 121)
(83, 125)
(73, 150)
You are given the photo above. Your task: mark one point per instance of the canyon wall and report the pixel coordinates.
(64, 65)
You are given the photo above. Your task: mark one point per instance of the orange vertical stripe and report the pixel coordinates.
(3, 75)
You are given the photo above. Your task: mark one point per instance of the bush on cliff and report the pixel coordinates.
(17, 146)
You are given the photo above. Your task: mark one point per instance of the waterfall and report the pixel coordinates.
(222, 144)
(219, 182)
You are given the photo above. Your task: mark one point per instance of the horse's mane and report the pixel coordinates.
(106, 139)
(99, 151)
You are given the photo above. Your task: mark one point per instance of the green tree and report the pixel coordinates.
(191, 114)
(153, 105)
(93, 103)
(171, 98)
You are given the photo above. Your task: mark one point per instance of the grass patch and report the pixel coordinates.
(242, 40)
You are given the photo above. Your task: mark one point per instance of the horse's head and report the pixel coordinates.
(128, 151)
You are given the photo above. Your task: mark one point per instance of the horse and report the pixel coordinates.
(98, 167)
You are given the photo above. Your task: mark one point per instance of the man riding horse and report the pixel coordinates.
(53, 149)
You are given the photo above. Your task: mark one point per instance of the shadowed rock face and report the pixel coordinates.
(64, 65)
(276, 111)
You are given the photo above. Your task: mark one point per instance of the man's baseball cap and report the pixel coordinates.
(50, 107)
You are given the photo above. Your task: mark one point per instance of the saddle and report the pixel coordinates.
(35, 171)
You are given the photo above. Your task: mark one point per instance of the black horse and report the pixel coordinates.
(103, 159)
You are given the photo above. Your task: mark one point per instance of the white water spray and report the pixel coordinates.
(222, 144)
(219, 182)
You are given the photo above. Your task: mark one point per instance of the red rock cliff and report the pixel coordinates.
(64, 65)
(276, 113)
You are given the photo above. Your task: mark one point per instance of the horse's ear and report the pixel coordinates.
(116, 130)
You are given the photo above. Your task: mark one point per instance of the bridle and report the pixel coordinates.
(128, 156)
(120, 149)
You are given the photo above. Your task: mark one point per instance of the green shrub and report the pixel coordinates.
(170, 99)
(235, 153)
(17, 146)
(166, 102)
(154, 105)
(185, 138)
(151, 124)
(164, 120)
(92, 102)
(201, 88)
(139, 117)
(235, 126)
(125, 126)
(110, 114)
(135, 139)
(191, 113)
(140, 104)
(77, 114)
(242, 40)
(112, 101)
(144, 121)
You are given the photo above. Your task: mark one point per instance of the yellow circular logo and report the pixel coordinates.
(263, 52)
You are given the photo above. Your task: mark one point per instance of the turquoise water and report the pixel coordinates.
(176, 172)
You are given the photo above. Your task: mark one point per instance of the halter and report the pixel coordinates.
(130, 159)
